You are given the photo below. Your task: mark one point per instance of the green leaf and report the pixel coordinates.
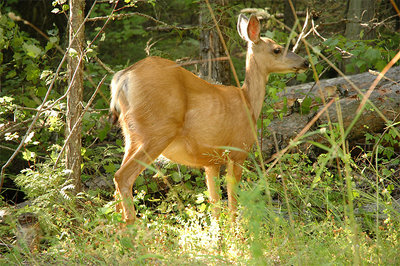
(110, 167)
(32, 50)
(119, 142)
(202, 207)
(176, 177)
(53, 39)
(305, 105)
(380, 65)
(32, 72)
(138, 31)
(6, 99)
(350, 68)
(200, 199)
(139, 181)
(72, 52)
(392, 133)
(41, 91)
(360, 63)
(319, 68)
(361, 34)
(153, 186)
(390, 188)
(107, 209)
(49, 45)
(331, 43)
(11, 74)
(28, 155)
(102, 134)
(301, 77)
(372, 54)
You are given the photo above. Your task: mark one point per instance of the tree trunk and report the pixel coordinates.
(211, 47)
(288, 17)
(75, 95)
(386, 97)
(360, 12)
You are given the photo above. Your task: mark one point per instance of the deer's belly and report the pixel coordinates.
(187, 152)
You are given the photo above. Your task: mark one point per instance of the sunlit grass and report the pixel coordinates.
(317, 235)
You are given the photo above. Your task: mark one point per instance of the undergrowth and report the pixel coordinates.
(297, 213)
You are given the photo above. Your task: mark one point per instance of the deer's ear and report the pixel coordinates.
(242, 27)
(249, 29)
(253, 29)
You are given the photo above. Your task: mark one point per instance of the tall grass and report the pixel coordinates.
(332, 209)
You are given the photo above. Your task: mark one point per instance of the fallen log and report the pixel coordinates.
(385, 97)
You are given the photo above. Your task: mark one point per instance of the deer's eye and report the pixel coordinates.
(277, 50)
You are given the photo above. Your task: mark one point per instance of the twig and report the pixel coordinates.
(5, 129)
(127, 15)
(78, 122)
(376, 73)
(171, 27)
(314, 29)
(301, 34)
(380, 23)
(109, 70)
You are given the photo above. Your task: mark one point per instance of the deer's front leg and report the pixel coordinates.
(233, 176)
(212, 174)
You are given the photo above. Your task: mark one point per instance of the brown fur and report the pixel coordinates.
(165, 109)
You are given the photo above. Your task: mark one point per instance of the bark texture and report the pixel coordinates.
(289, 18)
(359, 14)
(75, 95)
(211, 48)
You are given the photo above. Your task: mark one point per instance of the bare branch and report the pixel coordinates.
(78, 122)
(314, 29)
(14, 127)
(301, 34)
(166, 26)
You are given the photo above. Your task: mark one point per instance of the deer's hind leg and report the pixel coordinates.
(131, 147)
(134, 164)
(148, 130)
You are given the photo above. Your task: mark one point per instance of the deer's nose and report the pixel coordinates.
(306, 64)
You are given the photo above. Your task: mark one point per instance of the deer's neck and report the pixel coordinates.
(254, 83)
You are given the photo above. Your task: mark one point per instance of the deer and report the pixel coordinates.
(164, 109)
